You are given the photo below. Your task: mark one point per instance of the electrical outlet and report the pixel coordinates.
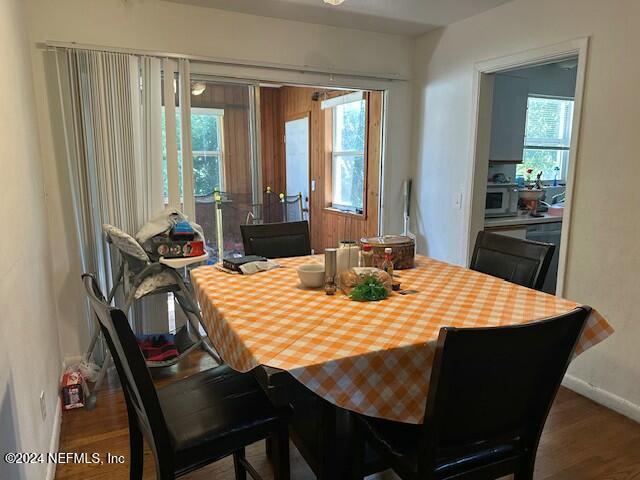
(43, 406)
(458, 201)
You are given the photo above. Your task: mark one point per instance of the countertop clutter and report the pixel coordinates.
(520, 219)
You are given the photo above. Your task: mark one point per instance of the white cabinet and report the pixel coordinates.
(509, 116)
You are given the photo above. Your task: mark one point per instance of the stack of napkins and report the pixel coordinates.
(261, 266)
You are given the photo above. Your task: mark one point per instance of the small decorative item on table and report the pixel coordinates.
(387, 265)
(347, 256)
(366, 284)
(311, 275)
(366, 256)
(370, 289)
(330, 267)
(403, 249)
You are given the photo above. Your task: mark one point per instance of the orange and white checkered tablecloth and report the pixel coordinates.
(370, 357)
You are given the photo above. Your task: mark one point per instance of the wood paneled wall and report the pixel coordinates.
(337, 226)
(271, 140)
(327, 226)
(234, 99)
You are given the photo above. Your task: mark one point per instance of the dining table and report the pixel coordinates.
(332, 355)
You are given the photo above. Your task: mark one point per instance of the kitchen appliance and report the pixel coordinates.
(501, 200)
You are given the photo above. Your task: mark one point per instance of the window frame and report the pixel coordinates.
(217, 112)
(220, 153)
(349, 153)
(539, 143)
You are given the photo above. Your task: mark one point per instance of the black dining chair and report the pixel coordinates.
(489, 395)
(192, 422)
(524, 262)
(277, 240)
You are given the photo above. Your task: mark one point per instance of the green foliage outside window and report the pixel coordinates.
(545, 161)
(349, 148)
(548, 125)
(351, 136)
(205, 144)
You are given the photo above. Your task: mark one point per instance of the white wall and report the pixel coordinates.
(604, 257)
(30, 357)
(164, 26)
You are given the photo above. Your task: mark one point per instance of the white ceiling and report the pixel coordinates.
(406, 17)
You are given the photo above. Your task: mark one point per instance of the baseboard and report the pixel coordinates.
(54, 443)
(598, 395)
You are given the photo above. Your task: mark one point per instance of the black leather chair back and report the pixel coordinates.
(492, 388)
(519, 261)
(140, 394)
(277, 240)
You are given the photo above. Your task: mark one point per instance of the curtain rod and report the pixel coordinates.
(227, 61)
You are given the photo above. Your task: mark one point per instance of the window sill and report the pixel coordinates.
(347, 213)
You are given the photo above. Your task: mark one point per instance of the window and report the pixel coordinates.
(206, 143)
(348, 156)
(547, 137)
(207, 151)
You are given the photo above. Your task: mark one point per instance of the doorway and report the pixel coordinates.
(296, 145)
(526, 132)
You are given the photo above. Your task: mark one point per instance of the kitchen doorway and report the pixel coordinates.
(526, 138)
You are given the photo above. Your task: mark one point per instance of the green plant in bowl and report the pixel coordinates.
(370, 289)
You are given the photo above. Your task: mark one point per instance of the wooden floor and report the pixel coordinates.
(582, 440)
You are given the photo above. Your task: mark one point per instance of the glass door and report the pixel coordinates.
(296, 141)
(223, 161)
(210, 128)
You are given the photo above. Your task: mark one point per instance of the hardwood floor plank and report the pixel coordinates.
(581, 441)
(610, 462)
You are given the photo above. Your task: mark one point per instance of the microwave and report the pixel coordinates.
(501, 200)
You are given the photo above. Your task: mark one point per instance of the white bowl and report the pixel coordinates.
(311, 275)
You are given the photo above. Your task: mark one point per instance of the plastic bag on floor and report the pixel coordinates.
(89, 370)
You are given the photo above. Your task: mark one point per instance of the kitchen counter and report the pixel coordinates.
(521, 219)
